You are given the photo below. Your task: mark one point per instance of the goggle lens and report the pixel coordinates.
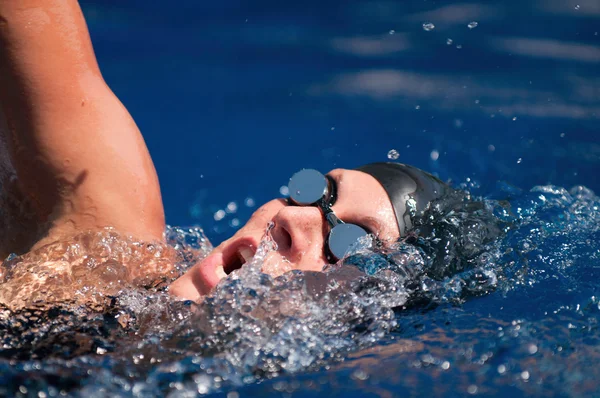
(307, 187)
(342, 237)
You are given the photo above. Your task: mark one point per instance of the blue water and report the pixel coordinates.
(233, 97)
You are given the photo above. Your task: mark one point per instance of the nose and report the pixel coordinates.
(300, 236)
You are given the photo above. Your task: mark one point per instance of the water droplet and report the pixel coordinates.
(519, 160)
(249, 202)
(219, 215)
(392, 32)
(434, 155)
(284, 190)
(428, 26)
(472, 25)
(393, 154)
(360, 374)
(449, 41)
(231, 207)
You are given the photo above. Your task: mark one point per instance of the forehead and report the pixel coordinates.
(360, 197)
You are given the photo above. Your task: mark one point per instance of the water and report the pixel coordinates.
(509, 305)
(507, 110)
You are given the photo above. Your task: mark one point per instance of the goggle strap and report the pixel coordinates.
(332, 218)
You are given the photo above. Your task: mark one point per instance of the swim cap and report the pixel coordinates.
(410, 190)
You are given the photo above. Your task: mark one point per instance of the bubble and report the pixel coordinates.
(392, 32)
(249, 202)
(393, 154)
(445, 365)
(491, 148)
(501, 369)
(459, 46)
(519, 160)
(428, 26)
(562, 135)
(417, 107)
(449, 41)
(514, 119)
(577, 7)
(284, 190)
(525, 375)
(219, 215)
(472, 25)
(234, 223)
(472, 389)
(434, 155)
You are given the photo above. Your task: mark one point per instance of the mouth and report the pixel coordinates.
(238, 254)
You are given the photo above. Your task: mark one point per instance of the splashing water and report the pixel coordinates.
(402, 317)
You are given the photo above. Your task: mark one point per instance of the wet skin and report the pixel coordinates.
(299, 232)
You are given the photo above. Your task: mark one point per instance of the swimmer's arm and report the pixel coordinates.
(79, 156)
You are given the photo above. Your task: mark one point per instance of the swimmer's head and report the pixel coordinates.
(372, 197)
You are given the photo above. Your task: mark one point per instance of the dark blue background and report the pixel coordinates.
(234, 96)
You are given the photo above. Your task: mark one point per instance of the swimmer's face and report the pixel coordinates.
(299, 232)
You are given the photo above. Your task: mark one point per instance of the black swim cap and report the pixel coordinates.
(409, 189)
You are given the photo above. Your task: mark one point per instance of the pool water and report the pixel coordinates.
(233, 98)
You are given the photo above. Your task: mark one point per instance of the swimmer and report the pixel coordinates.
(72, 159)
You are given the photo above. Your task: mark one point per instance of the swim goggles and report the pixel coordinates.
(308, 187)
